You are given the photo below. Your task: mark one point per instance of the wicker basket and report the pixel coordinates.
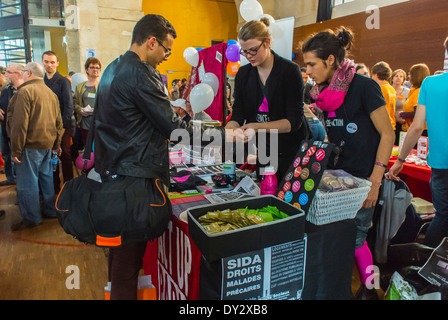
(328, 207)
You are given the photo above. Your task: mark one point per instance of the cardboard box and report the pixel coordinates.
(217, 246)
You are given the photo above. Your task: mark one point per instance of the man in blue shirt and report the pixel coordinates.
(433, 109)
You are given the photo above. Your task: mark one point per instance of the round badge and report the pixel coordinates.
(311, 151)
(297, 162)
(289, 176)
(296, 186)
(305, 173)
(304, 147)
(352, 127)
(305, 160)
(320, 155)
(281, 195)
(298, 172)
(309, 184)
(287, 186)
(303, 199)
(316, 167)
(288, 196)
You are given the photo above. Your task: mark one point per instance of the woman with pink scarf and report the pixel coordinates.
(358, 124)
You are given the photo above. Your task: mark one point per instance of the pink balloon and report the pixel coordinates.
(80, 162)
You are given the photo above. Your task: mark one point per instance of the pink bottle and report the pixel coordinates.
(268, 182)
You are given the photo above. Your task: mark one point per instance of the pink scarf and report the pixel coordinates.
(330, 98)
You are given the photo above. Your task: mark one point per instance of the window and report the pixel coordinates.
(9, 8)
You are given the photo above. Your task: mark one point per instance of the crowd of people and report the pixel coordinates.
(359, 110)
(47, 114)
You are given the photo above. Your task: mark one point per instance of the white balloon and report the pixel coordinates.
(191, 55)
(212, 80)
(250, 9)
(77, 78)
(270, 18)
(201, 97)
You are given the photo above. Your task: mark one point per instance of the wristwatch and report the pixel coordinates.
(401, 160)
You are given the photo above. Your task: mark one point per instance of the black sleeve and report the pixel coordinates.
(294, 89)
(373, 97)
(238, 103)
(67, 100)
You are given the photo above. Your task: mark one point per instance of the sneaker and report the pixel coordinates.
(22, 225)
(6, 183)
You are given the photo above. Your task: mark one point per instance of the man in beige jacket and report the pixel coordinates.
(35, 128)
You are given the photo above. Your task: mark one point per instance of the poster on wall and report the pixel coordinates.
(275, 273)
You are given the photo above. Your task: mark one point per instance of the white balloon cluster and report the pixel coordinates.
(203, 94)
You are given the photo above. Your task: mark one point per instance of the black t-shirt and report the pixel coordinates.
(353, 131)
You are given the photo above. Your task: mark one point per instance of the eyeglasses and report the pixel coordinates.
(252, 52)
(24, 70)
(167, 51)
(11, 72)
(95, 68)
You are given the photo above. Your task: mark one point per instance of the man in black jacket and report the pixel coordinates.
(61, 86)
(134, 121)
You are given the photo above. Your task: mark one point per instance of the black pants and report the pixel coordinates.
(124, 266)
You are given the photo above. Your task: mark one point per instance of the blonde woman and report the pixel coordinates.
(269, 94)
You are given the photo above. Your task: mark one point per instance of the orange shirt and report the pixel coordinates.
(391, 99)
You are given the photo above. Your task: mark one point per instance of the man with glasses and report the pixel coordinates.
(34, 126)
(61, 86)
(14, 76)
(133, 123)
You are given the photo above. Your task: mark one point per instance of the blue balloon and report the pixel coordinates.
(293, 56)
(199, 49)
(230, 42)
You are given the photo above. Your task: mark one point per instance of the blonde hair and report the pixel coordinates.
(256, 30)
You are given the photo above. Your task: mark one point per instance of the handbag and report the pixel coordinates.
(114, 212)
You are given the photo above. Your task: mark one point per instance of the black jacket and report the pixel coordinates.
(285, 98)
(62, 88)
(134, 120)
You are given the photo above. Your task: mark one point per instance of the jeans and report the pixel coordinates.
(363, 222)
(34, 171)
(438, 228)
(5, 149)
(318, 130)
